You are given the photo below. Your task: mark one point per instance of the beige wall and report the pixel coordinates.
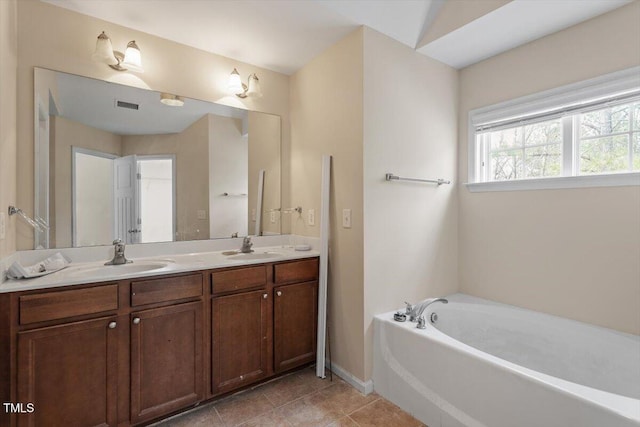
(350, 103)
(326, 118)
(8, 67)
(573, 253)
(192, 170)
(265, 153)
(410, 230)
(56, 38)
(70, 134)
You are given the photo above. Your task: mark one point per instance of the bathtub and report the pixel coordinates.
(484, 364)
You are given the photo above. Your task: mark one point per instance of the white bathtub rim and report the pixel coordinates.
(584, 334)
(473, 300)
(624, 406)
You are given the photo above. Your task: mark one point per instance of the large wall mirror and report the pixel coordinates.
(113, 161)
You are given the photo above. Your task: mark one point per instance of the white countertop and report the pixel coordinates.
(95, 272)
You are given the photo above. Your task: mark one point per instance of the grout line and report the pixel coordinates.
(219, 416)
(364, 406)
(354, 421)
(270, 401)
(303, 396)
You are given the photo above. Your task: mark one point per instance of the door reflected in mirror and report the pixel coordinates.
(113, 162)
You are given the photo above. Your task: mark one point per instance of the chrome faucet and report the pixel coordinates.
(416, 311)
(246, 245)
(118, 256)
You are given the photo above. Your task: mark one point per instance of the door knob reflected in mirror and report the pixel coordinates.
(279, 293)
(136, 320)
(112, 325)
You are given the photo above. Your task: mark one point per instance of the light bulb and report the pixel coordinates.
(235, 84)
(133, 58)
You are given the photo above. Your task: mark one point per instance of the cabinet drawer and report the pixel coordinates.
(238, 279)
(297, 271)
(167, 289)
(61, 304)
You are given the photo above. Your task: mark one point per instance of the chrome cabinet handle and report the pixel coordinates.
(112, 325)
(265, 296)
(279, 293)
(136, 320)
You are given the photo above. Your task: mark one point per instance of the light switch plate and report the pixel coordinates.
(273, 217)
(3, 226)
(253, 214)
(311, 217)
(202, 214)
(346, 218)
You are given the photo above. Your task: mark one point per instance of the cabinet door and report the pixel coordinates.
(166, 360)
(69, 374)
(294, 327)
(239, 340)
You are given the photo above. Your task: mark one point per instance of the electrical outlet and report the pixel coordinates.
(2, 226)
(202, 214)
(273, 217)
(346, 218)
(253, 214)
(311, 217)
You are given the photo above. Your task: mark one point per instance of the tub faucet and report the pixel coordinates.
(418, 308)
(118, 255)
(246, 245)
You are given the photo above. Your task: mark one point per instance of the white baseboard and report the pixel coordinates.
(364, 387)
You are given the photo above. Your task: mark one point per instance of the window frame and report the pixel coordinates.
(523, 109)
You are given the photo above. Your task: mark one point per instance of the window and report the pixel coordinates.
(579, 135)
(531, 151)
(608, 140)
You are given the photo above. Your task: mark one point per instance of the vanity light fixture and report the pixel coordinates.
(131, 60)
(171, 100)
(251, 89)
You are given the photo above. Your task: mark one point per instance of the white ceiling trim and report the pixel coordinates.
(402, 20)
(512, 25)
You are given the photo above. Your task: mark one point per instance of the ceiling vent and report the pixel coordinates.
(129, 105)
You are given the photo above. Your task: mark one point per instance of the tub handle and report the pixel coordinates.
(408, 309)
(421, 323)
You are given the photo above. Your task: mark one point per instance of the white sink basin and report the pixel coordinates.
(255, 256)
(115, 270)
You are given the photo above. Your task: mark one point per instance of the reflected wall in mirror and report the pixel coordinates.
(113, 162)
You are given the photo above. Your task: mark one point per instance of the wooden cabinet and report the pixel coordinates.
(239, 327)
(69, 373)
(132, 351)
(166, 360)
(294, 325)
(259, 332)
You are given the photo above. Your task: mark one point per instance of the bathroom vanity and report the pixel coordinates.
(132, 350)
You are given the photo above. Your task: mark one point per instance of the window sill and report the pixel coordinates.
(612, 180)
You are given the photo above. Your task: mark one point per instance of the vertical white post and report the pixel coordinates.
(324, 264)
(258, 228)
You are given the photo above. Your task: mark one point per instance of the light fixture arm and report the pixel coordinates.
(120, 58)
(245, 87)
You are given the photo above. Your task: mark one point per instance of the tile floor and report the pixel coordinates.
(298, 399)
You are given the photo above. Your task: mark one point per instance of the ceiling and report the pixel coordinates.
(94, 103)
(283, 35)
